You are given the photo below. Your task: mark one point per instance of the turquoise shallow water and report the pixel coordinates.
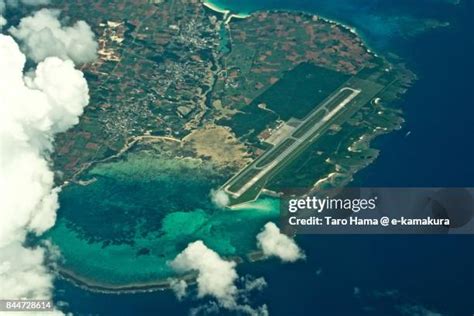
(423, 273)
(144, 210)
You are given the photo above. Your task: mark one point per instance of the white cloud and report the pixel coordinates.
(206, 309)
(179, 288)
(416, 310)
(213, 308)
(33, 109)
(273, 243)
(216, 277)
(42, 35)
(22, 273)
(219, 198)
(3, 21)
(251, 284)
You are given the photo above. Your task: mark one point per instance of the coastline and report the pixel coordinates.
(163, 284)
(138, 287)
(228, 15)
(320, 272)
(391, 60)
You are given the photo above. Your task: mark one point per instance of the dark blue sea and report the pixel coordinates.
(372, 275)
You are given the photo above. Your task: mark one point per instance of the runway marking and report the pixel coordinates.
(299, 141)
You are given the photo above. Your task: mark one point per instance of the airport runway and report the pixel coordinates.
(304, 133)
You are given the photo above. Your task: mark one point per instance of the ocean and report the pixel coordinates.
(371, 275)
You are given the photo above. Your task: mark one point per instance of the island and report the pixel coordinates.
(189, 100)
